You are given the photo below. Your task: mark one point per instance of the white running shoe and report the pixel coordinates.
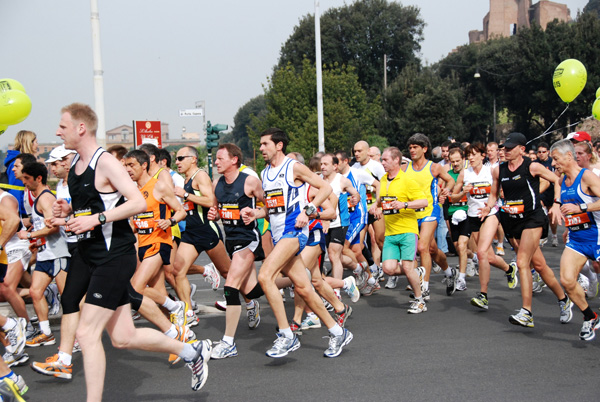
(351, 289)
(392, 282)
(211, 275)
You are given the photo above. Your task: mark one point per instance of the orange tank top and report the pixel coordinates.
(145, 223)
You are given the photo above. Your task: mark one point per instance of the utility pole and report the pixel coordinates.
(98, 79)
(320, 119)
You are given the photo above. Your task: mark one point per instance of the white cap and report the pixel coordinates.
(58, 153)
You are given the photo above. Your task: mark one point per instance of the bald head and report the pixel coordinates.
(375, 154)
(361, 152)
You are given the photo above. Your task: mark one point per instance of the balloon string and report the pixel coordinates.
(551, 125)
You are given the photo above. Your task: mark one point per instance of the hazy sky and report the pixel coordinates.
(162, 56)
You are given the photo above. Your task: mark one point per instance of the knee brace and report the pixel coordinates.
(135, 298)
(232, 296)
(255, 293)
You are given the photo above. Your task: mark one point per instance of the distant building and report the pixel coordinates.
(507, 16)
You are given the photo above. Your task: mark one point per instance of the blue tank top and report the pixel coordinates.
(582, 227)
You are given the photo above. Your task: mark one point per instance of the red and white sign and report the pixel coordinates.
(147, 132)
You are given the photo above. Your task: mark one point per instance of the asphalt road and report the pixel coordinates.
(452, 352)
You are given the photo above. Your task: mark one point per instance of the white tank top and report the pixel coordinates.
(52, 246)
(283, 199)
(482, 186)
(337, 190)
(14, 241)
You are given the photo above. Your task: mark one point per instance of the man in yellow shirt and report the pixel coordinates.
(399, 196)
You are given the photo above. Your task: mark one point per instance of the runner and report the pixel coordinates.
(580, 195)
(519, 180)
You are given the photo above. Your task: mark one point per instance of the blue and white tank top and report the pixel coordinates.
(583, 226)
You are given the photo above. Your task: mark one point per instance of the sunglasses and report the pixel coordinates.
(180, 158)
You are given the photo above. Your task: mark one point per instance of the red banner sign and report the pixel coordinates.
(147, 132)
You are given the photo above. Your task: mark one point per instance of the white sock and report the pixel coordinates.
(358, 270)
(364, 265)
(425, 285)
(10, 324)
(337, 293)
(371, 281)
(336, 330)
(228, 339)
(188, 352)
(250, 304)
(172, 332)
(448, 272)
(287, 332)
(170, 304)
(65, 358)
(45, 327)
(462, 275)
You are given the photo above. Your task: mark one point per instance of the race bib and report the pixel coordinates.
(230, 214)
(274, 201)
(577, 222)
(144, 222)
(90, 233)
(515, 209)
(460, 203)
(386, 205)
(481, 192)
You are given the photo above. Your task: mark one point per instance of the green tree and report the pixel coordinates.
(291, 100)
(242, 121)
(592, 6)
(359, 35)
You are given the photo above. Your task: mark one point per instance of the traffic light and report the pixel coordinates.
(212, 134)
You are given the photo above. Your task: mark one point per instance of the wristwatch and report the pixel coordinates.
(405, 205)
(102, 218)
(173, 221)
(1, 247)
(185, 196)
(310, 209)
(28, 235)
(583, 207)
(558, 202)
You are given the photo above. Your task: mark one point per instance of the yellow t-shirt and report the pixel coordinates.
(404, 189)
(428, 184)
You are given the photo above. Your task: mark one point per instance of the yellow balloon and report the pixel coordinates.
(3, 128)
(15, 106)
(596, 109)
(7, 84)
(597, 93)
(569, 79)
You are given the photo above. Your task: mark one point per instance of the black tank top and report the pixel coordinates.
(521, 190)
(104, 242)
(231, 199)
(197, 215)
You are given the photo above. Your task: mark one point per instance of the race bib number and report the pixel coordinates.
(230, 214)
(514, 209)
(144, 222)
(577, 222)
(40, 243)
(274, 201)
(460, 203)
(481, 191)
(90, 233)
(386, 205)
(189, 207)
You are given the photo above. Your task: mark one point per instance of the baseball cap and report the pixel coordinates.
(579, 136)
(515, 139)
(58, 153)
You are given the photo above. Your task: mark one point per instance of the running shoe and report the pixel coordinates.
(341, 317)
(566, 310)
(435, 267)
(16, 337)
(282, 346)
(190, 336)
(282, 293)
(461, 285)
(424, 293)
(191, 319)
(588, 330)
(295, 327)
(522, 318)
(9, 391)
(310, 322)
(417, 306)
(41, 339)
(76, 346)
(451, 282)
(392, 282)
(421, 273)
(543, 242)
(253, 314)
(538, 283)
(178, 317)
(380, 277)
(500, 249)
(135, 315)
(199, 364)
(361, 280)
(592, 292)
(221, 305)
(53, 299)
(181, 337)
(369, 289)
(337, 343)
(222, 350)
(554, 241)
(212, 276)
(327, 305)
(513, 277)
(471, 271)
(480, 301)
(194, 305)
(584, 282)
(351, 289)
(291, 290)
(54, 368)
(21, 385)
(15, 360)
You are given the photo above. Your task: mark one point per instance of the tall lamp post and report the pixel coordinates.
(478, 75)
